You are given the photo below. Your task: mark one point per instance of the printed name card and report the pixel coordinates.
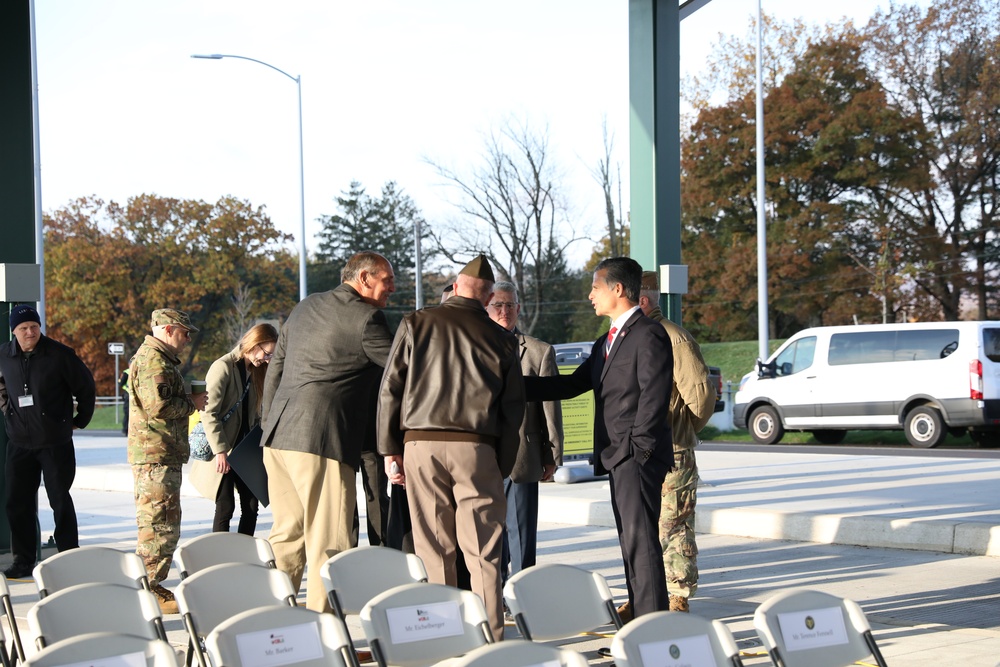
(694, 651)
(280, 646)
(814, 628)
(426, 621)
(137, 659)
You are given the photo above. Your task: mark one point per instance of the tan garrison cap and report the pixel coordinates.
(479, 268)
(163, 316)
(650, 281)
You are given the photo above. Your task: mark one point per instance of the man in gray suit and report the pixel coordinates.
(540, 452)
(319, 397)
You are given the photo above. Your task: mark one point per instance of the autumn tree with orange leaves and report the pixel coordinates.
(883, 159)
(109, 266)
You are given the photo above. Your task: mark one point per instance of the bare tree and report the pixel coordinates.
(608, 180)
(511, 211)
(238, 320)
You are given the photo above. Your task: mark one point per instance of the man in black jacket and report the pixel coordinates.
(39, 379)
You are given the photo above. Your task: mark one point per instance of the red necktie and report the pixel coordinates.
(611, 338)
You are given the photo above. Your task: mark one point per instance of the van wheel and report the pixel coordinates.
(924, 427)
(765, 427)
(829, 436)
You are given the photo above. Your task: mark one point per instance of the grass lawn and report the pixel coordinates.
(104, 419)
(735, 359)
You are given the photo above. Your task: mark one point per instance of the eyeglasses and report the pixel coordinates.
(266, 355)
(503, 305)
(187, 333)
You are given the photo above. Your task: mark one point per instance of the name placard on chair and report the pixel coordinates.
(814, 628)
(137, 659)
(427, 621)
(694, 651)
(280, 646)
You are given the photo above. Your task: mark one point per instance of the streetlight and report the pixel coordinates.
(302, 181)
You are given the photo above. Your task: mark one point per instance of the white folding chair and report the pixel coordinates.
(520, 653)
(106, 648)
(416, 625)
(653, 639)
(213, 595)
(95, 607)
(218, 548)
(86, 565)
(310, 639)
(355, 576)
(804, 628)
(7, 656)
(552, 601)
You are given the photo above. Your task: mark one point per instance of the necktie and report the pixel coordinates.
(611, 337)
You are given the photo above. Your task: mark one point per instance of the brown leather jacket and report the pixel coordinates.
(452, 370)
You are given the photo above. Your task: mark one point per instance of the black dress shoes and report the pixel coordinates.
(19, 570)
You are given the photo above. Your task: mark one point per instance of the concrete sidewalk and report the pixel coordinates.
(928, 503)
(927, 605)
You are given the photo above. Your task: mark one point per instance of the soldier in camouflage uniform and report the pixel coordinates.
(692, 404)
(158, 443)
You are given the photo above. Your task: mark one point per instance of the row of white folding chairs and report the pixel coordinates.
(353, 577)
(204, 598)
(117, 582)
(307, 638)
(798, 627)
(106, 565)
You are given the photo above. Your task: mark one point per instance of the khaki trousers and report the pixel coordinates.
(457, 502)
(312, 506)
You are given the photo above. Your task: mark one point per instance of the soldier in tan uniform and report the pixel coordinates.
(691, 406)
(158, 443)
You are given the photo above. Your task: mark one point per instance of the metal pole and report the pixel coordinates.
(39, 232)
(762, 319)
(117, 388)
(303, 292)
(418, 273)
(302, 179)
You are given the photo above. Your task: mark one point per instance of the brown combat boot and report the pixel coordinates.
(678, 603)
(165, 598)
(625, 612)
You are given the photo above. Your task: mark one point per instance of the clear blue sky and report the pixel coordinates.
(125, 110)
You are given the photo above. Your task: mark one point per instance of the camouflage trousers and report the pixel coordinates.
(677, 501)
(158, 515)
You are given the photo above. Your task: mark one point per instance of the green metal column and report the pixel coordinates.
(654, 122)
(17, 182)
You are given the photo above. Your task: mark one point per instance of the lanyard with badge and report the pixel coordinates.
(27, 400)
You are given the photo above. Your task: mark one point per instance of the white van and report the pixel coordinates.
(926, 378)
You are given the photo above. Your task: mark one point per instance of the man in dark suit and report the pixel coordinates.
(319, 397)
(631, 373)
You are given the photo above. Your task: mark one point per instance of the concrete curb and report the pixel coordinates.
(978, 539)
(958, 536)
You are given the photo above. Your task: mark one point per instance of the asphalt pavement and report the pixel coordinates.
(914, 540)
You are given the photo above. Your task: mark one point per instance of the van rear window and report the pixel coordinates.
(872, 347)
(991, 343)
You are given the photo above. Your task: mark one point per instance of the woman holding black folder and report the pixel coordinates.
(235, 386)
